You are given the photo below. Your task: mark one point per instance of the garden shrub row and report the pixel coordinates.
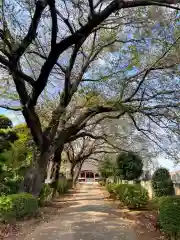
(17, 206)
(134, 196)
(169, 216)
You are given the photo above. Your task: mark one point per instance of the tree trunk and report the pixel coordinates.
(35, 175)
(72, 170)
(57, 160)
(77, 172)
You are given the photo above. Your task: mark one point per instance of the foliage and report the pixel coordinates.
(129, 166)
(17, 206)
(96, 33)
(14, 158)
(162, 183)
(5, 122)
(62, 186)
(169, 216)
(156, 202)
(106, 168)
(46, 193)
(134, 196)
(110, 187)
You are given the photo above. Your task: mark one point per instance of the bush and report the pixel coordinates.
(110, 187)
(17, 206)
(157, 202)
(169, 216)
(134, 196)
(162, 183)
(45, 194)
(129, 166)
(62, 186)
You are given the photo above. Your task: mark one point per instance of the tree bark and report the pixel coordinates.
(57, 160)
(72, 170)
(35, 176)
(77, 172)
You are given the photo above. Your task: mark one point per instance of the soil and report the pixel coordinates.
(142, 225)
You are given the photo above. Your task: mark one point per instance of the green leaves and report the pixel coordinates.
(129, 166)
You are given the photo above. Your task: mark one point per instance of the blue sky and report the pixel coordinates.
(15, 117)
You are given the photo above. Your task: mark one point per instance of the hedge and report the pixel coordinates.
(134, 196)
(45, 194)
(169, 216)
(63, 186)
(162, 183)
(17, 206)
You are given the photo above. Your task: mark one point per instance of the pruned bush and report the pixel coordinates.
(162, 183)
(134, 196)
(169, 216)
(157, 202)
(129, 166)
(119, 190)
(45, 194)
(62, 186)
(17, 206)
(110, 187)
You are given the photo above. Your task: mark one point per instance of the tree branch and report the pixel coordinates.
(19, 73)
(11, 108)
(82, 33)
(54, 23)
(31, 35)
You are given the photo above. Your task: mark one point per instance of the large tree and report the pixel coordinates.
(63, 45)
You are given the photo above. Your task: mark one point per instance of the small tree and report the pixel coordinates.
(129, 166)
(162, 183)
(106, 168)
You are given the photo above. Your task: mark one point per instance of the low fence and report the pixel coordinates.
(146, 184)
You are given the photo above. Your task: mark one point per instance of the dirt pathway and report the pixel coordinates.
(89, 217)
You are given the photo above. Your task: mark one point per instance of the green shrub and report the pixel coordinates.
(129, 166)
(17, 206)
(46, 193)
(169, 216)
(162, 183)
(134, 196)
(157, 202)
(110, 187)
(102, 183)
(62, 186)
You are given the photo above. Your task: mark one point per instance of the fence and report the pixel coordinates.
(146, 184)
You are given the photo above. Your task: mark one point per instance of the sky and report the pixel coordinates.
(17, 118)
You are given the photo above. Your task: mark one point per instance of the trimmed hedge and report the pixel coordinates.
(110, 187)
(162, 183)
(17, 206)
(169, 216)
(62, 186)
(45, 194)
(134, 196)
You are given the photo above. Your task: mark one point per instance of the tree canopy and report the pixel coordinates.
(130, 166)
(99, 60)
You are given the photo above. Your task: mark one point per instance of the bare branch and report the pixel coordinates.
(31, 35)
(54, 23)
(19, 73)
(11, 108)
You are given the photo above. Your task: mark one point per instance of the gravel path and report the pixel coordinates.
(89, 217)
